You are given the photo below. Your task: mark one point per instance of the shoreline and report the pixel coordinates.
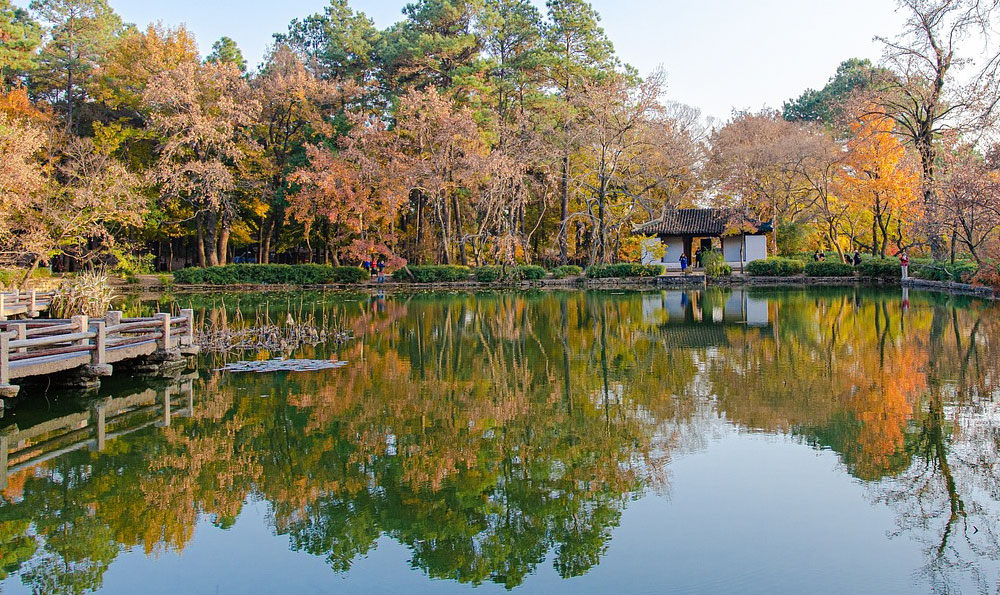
(691, 281)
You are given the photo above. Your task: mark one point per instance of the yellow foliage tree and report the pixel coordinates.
(877, 177)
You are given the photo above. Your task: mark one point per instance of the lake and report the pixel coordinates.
(836, 440)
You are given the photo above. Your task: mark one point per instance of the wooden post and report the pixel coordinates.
(164, 325)
(97, 419)
(188, 336)
(98, 356)
(4, 359)
(3, 308)
(22, 334)
(82, 326)
(113, 318)
(33, 307)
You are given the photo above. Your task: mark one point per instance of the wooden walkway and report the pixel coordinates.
(26, 303)
(106, 419)
(40, 347)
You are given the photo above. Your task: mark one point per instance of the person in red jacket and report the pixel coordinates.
(904, 263)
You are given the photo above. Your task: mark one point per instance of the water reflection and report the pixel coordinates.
(495, 433)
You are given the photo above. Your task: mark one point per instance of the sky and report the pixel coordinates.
(718, 55)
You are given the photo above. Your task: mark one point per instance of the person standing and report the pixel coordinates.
(684, 262)
(904, 264)
(380, 265)
(857, 257)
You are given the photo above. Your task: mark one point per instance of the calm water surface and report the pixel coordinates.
(736, 441)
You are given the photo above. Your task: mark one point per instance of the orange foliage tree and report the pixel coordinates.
(877, 177)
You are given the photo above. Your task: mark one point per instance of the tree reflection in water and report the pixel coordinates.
(490, 432)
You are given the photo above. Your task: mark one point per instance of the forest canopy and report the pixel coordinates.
(474, 133)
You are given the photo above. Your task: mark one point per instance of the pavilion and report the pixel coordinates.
(741, 238)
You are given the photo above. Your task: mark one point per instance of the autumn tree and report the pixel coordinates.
(202, 114)
(878, 179)
(358, 193)
(757, 161)
(615, 114)
(928, 92)
(297, 107)
(443, 143)
(85, 199)
(578, 51)
(970, 196)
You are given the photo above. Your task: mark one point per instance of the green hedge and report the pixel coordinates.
(270, 274)
(880, 268)
(494, 273)
(432, 273)
(566, 270)
(775, 266)
(936, 270)
(829, 268)
(624, 270)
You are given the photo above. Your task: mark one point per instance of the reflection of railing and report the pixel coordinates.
(38, 347)
(30, 303)
(106, 419)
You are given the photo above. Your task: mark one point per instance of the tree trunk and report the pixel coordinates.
(564, 210)
(200, 222)
(211, 233)
(225, 231)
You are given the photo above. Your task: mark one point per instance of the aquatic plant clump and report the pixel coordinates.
(283, 365)
(267, 337)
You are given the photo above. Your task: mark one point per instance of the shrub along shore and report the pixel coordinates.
(775, 270)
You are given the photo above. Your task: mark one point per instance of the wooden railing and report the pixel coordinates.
(38, 347)
(29, 303)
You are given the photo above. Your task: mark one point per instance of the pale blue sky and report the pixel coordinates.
(718, 54)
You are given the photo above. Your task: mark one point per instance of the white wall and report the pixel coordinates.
(756, 248)
(731, 247)
(672, 256)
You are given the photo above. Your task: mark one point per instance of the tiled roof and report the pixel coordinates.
(697, 222)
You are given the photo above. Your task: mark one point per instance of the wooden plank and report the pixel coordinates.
(53, 340)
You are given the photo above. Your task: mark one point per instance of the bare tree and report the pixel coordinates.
(927, 96)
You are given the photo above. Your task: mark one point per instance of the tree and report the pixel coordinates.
(578, 51)
(512, 37)
(877, 178)
(827, 106)
(136, 58)
(433, 47)
(970, 194)
(297, 108)
(225, 51)
(925, 95)
(359, 193)
(20, 36)
(21, 178)
(337, 43)
(86, 197)
(202, 114)
(758, 160)
(615, 115)
(444, 145)
(79, 35)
